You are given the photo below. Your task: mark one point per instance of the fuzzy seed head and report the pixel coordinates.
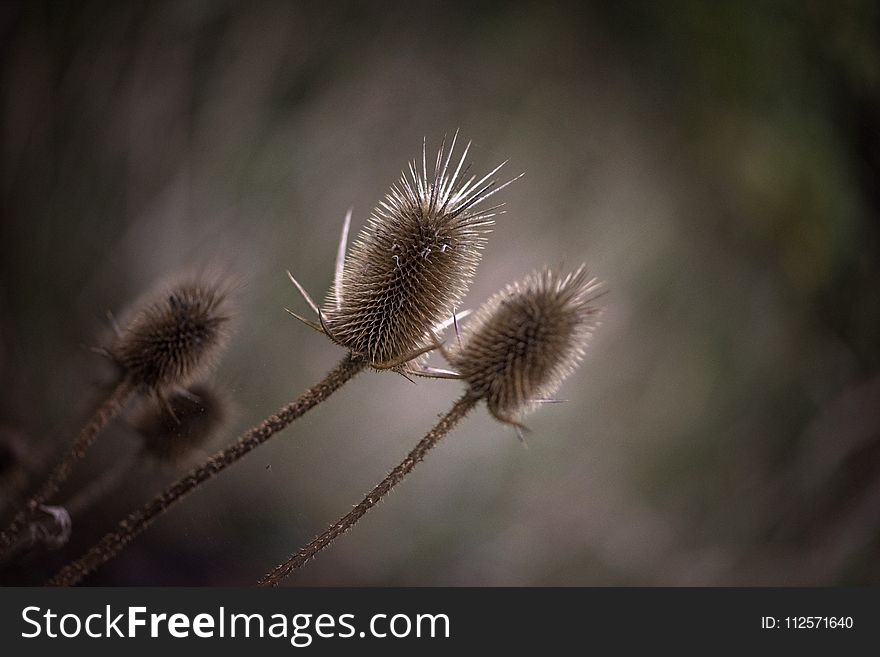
(412, 263)
(172, 339)
(184, 422)
(527, 339)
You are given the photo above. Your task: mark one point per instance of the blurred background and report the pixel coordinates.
(716, 163)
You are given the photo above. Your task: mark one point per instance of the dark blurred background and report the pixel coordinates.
(716, 163)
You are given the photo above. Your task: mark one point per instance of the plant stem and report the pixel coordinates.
(113, 542)
(49, 529)
(102, 416)
(458, 411)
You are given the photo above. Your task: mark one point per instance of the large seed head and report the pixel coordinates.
(526, 340)
(412, 263)
(172, 339)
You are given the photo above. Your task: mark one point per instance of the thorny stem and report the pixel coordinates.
(113, 542)
(102, 416)
(458, 411)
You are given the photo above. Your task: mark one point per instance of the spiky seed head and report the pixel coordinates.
(172, 428)
(175, 337)
(412, 263)
(527, 339)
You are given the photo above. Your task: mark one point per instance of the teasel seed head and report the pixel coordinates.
(172, 428)
(412, 263)
(526, 340)
(173, 338)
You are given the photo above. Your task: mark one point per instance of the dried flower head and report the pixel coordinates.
(172, 339)
(185, 421)
(526, 340)
(412, 263)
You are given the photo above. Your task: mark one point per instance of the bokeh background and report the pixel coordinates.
(716, 163)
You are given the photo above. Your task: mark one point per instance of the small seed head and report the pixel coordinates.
(174, 338)
(527, 339)
(413, 261)
(172, 428)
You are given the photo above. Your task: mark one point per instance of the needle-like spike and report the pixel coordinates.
(404, 374)
(453, 319)
(457, 332)
(340, 259)
(402, 360)
(305, 321)
(433, 372)
(303, 293)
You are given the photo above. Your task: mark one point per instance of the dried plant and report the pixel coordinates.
(521, 345)
(403, 278)
(170, 342)
(526, 340)
(412, 263)
(172, 431)
(172, 337)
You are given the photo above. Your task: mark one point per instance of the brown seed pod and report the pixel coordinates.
(187, 419)
(526, 340)
(412, 263)
(174, 338)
